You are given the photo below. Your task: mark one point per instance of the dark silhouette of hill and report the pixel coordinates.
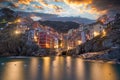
(60, 26)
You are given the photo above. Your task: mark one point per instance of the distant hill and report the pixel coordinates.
(51, 17)
(73, 19)
(60, 26)
(7, 13)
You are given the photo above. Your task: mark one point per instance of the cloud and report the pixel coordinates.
(106, 4)
(26, 2)
(67, 8)
(97, 7)
(38, 7)
(52, 17)
(109, 5)
(14, 5)
(35, 18)
(78, 2)
(100, 6)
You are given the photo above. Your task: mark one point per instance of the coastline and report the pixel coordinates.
(111, 56)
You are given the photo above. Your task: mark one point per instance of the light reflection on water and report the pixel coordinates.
(46, 68)
(33, 68)
(13, 71)
(80, 69)
(57, 68)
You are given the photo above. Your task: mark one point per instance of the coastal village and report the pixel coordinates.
(59, 39)
(47, 38)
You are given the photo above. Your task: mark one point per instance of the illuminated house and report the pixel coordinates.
(45, 36)
(56, 43)
(37, 26)
(90, 31)
(47, 40)
(44, 39)
(87, 32)
(95, 29)
(32, 32)
(22, 28)
(71, 38)
(82, 34)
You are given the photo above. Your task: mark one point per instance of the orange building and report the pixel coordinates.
(45, 40)
(45, 36)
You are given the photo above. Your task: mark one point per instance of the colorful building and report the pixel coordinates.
(45, 36)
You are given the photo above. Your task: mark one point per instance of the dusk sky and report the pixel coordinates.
(90, 9)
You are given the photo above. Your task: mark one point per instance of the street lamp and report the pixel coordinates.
(79, 42)
(104, 33)
(96, 34)
(17, 20)
(35, 38)
(17, 32)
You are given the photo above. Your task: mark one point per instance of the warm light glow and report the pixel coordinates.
(69, 64)
(47, 45)
(46, 67)
(17, 32)
(14, 71)
(103, 33)
(61, 45)
(79, 42)
(103, 70)
(96, 34)
(35, 38)
(34, 66)
(109, 71)
(69, 48)
(18, 21)
(56, 46)
(80, 69)
(102, 21)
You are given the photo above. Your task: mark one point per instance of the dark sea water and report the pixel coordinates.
(57, 68)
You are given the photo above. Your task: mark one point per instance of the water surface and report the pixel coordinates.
(57, 68)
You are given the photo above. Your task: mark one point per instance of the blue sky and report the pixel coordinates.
(91, 9)
(62, 8)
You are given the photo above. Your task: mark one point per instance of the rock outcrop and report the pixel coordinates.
(110, 42)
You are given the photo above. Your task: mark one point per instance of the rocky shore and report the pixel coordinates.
(101, 47)
(112, 54)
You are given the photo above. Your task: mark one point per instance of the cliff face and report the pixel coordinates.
(101, 43)
(12, 44)
(60, 26)
(8, 14)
